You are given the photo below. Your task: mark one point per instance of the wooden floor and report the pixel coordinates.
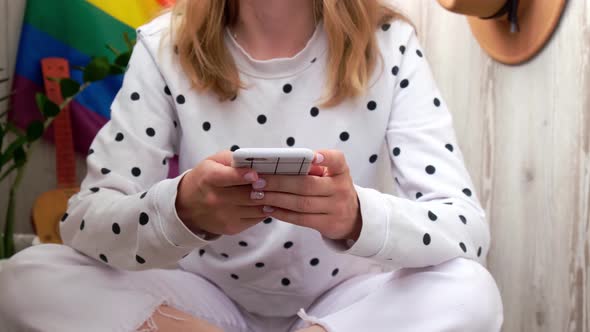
(525, 135)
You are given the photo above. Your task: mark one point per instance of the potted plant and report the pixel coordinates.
(16, 145)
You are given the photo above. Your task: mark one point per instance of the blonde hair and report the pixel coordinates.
(198, 35)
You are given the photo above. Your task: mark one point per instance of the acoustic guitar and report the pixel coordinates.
(50, 207)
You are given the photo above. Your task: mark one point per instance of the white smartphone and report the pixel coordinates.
(283, 161)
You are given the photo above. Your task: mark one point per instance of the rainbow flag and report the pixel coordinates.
(75, 30)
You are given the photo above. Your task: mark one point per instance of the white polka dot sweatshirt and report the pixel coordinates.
(125, 216)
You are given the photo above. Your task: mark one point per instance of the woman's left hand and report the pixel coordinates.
(327, 203)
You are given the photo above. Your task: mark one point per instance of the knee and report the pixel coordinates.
(474, 295)
(25, 281)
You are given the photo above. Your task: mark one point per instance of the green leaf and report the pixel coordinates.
(46, 106)
(9, 152)
(113, 49)
(35, 130)
(128, 41)
(116, 70)
(19, 156)
(68, 87)
(97, 69)
(123, 59)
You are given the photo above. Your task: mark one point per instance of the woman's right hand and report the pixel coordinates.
(215, 197)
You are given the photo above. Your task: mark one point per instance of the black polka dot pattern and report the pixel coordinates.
(385, 26)
(139, 259)
(290, 141)
(135, 96)
(418, 195)
(164, 161)
(267, 220)
(243, 244)
(180, 99)
(314, 111)
(463, 219)
(449, 147)
(402, 49)
(175, 123)
(467, 192)
(335, 272)
(235, 276)
(373, 158)
(314, 261)
(82, 225)
(167, 90)
(314, 60)
(91, 151)
(419, 53)
(201, 252)
(288, 244)
(372, 105)
(436, 102)
(396, 151)
(103, 258)
(116, 228)
(224, 255)
(150, 132)
(344, 136)
(64, 217)
(430, 169)
(287, 88)
(143, 219)
(105, 171)
(285, 282)
(234, 148)
(261, 119)
(432, 216)
(259, 265)
(463, 247)
(426, 239)
(479, 252)
(206, 126)
(404, 83)
(94, 189)
(119, 137)
(136, 171)
(395, 70)
(143, 195)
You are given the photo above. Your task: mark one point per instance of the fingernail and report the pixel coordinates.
(268, 209)
(259, 184)
(256, 195)
(250, 176)
(319, 158)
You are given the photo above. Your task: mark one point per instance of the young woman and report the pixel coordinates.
(323, 252)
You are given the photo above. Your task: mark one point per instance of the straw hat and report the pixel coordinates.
(511, 31)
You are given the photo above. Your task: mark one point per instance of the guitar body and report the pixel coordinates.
(50, 207)
(48, 211)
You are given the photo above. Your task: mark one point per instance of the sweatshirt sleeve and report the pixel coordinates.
(436, 215)
(124, 214)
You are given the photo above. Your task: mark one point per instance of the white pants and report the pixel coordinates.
(54, 288)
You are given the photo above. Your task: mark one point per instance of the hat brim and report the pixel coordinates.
(537, 24)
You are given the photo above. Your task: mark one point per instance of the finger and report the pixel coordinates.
(222, 157)
(300, 185)
(219, 175)
(251, 212)
(311, 220)
(334, 160)
(297, 203)
(316, 170)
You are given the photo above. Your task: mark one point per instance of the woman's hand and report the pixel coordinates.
(215, 197)
(327, 203)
